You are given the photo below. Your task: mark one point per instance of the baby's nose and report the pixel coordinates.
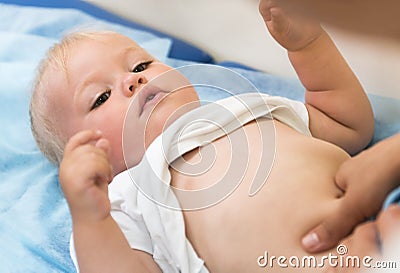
(140, 81)
(132, 82)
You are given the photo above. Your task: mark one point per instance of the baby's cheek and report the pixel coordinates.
(154, 127)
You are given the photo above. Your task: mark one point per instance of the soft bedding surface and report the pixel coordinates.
(34, 221)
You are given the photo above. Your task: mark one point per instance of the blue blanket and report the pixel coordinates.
(34, 220)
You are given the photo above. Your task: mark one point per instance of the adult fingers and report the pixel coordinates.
(332, 229)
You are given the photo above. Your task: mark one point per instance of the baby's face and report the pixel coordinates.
(105, 78)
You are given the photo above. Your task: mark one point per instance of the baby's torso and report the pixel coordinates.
(231, 234)
(230, 217)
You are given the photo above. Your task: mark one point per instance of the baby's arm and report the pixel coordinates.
(338, 107)
(339, 113)
(100, 245)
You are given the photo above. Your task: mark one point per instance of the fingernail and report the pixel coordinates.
(310, 241)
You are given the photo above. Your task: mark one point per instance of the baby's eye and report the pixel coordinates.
(141, 67)
(101, 99)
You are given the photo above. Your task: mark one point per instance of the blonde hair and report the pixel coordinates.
(48, 137)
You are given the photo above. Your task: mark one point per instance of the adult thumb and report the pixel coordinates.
(328, 233)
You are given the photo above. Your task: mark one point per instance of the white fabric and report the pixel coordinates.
(148, 212)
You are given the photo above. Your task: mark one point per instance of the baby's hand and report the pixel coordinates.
(85, 173)
(290, 31)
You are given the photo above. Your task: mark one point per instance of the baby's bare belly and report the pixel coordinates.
(231, 235)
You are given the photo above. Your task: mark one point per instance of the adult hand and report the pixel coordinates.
(374, 244)
(366, 179)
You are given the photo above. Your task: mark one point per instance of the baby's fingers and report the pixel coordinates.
(103, 144)
(279, 21)
(265, 8)
(82, 138)
(98, 164)
(86, 161)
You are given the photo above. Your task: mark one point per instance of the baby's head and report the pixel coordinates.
(90, 80)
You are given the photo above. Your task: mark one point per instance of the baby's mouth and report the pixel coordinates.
(149, 97)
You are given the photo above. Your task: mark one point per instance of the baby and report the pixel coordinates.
(94, 114)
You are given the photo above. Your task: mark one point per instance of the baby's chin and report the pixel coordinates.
(166, 112)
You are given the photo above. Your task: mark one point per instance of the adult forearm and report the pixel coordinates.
(387, 160)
